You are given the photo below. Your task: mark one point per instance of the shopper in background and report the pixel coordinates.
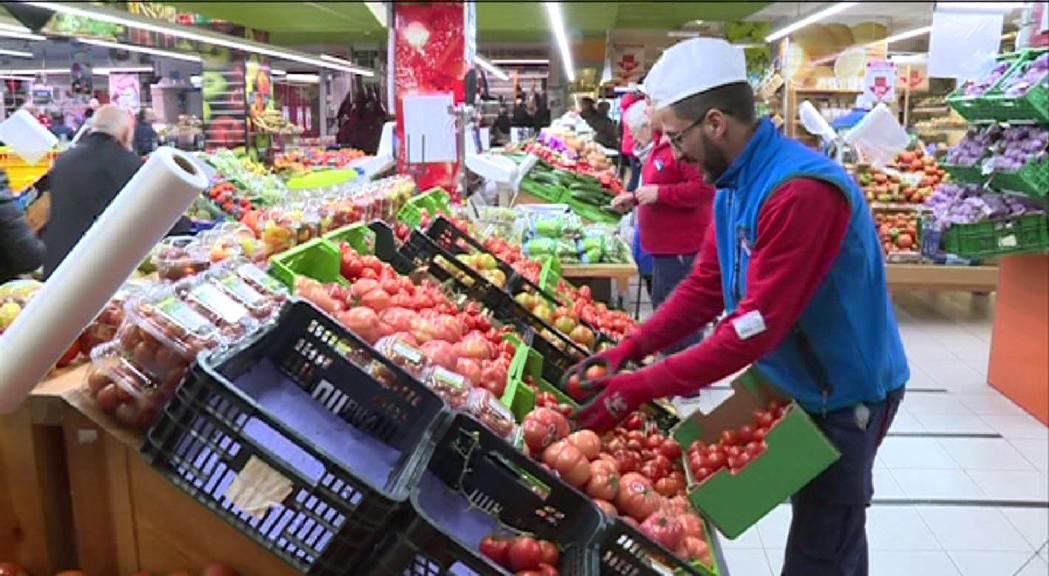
(145, 135)
(635, 119)
(795, 262)
(85, 179)
(605, 132)
(627, 160)
(21, 251)
(59, 127)
(587, 108)
(673, 210)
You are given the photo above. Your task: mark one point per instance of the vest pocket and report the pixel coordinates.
(812, 363)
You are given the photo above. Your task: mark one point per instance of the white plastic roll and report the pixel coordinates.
(97, 266)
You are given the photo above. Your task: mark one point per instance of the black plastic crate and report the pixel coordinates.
(423, 252)
(625, 551)
(473, 484)
(337, 445)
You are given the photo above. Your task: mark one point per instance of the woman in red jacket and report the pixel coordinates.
(674, 206)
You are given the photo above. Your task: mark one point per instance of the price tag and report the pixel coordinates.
(407, 351)
(444, 376)
(243, 291)
(265, 281)
(1007, 241)
(178, 313)
(222, 305)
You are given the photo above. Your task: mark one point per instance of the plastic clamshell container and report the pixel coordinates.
(403, 354)
(262, 282)
(626, 551)
(175, 324)
(121, 388)
(262, 305)
(490, 411)
(180, 256)
(208, 299)
(451, 386)
(105, 326)
(797, 451)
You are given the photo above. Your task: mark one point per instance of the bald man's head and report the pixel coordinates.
(111, 120)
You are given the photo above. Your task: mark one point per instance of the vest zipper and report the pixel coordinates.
(815, 367)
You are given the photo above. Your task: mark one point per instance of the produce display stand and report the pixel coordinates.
(1018, 366)
(75, 492)
(933, 277)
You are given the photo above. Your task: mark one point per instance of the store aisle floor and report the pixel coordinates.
(962, 480)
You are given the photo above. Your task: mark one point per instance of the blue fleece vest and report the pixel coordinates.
(846, 347)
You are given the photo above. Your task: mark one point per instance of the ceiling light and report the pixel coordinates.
(336, 60)
(277, 72)
(908, 58)
(123, 70)
(5, 33)
(378, 9)
(905, 35)
(199, 35)
(17, 53)
(303, 78)
(980, 6)
(14, 28)
(557, 24)
(32, 72)
(810, 19)
(498, 73)
(521, 61)
(141, 49)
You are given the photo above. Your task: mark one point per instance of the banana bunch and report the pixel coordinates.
(272, 122)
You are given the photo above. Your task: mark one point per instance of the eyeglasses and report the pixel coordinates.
(677, 139)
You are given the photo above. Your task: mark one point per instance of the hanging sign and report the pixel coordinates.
(879, 81)
(628, 63)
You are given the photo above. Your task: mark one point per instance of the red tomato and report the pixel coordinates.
(745, 434)
(497, 550)
(635, 421)
(602, 485)
(588, 443)
(636, 497)
(469, 368)
(663, 529)
(363, 286)
(651, 471)
(440, 352)
(762, 418)
(542, 427)
(738, 462)
(691, 525)
(700, 474)
(754, 448)
(524, 554)
(713, 461)
(760, 433)
(574, 389)
(607, 507)
(668, 486)
(654, 441)
(572, 466)
(695, 547)
(548, 570)
(551, 555)
(729, 438)
(671, 449)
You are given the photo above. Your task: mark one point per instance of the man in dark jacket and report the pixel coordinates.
(86, 179)
(21, 251)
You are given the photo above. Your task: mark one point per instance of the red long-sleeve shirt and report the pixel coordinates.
(677, 222)
(800, 231)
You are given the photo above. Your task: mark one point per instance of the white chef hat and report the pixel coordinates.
(693, 66)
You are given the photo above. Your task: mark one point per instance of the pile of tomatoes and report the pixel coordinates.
(523, 555)
(634, 472)
(380, 303)
(735, 449)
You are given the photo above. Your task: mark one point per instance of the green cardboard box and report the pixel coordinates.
(796, 452)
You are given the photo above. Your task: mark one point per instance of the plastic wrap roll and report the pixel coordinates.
(97, 266)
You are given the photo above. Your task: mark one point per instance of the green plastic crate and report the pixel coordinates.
(322, 179)
(1029, 233)
(965, 174)
(980, 108)
(1030, 106)
(1032, 180)
(797, 451)
(434, 201)
(317, 259)
(357, 235)
(550, 275)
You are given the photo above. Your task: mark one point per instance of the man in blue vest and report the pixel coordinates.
(794, 262)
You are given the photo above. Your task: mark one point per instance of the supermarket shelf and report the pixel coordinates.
(940, 278)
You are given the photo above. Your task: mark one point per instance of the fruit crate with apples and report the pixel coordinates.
(625, 551)
(434, 201)
(1027, 233)
(789, 453)
(474, 486)
(305, 451)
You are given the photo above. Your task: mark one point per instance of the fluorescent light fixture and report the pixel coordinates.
(905, 35)
(5, 33)
(521, 61)
(278, 72)
(14, 28)
(141, 49)
(980, 6)
(557, 24)
(18, 53)
(123, 70)
(497, 72)
(34, 72)
(187, 33)
(378, 9)
(303, 78)
(908, 58)
(810, 19)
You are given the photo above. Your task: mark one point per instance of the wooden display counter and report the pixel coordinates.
(938, 278)
(1019, 365)
(74, 492)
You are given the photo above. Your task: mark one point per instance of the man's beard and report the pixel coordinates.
(714, 161)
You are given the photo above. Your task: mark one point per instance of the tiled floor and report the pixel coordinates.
(961, 482)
